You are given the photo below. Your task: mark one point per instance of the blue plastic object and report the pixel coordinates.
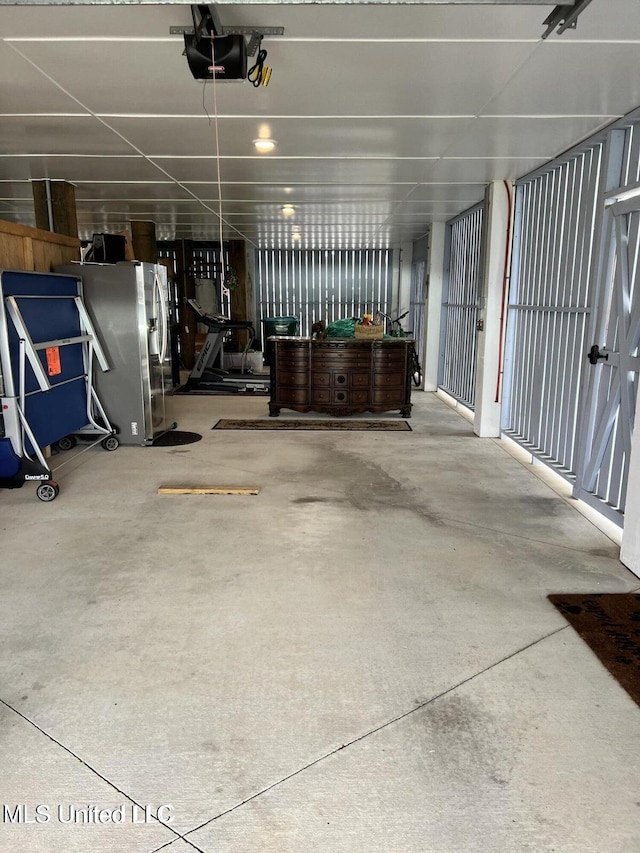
(9, 461)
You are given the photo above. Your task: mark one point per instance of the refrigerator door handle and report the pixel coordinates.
(160, 311)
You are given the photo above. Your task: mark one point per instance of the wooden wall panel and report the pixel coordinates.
(25, 248)
(12, 252)
(46, 256)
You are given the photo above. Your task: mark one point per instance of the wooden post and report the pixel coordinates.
(143, 237)
(174, 320)
(240, 309)
(55, 207)
(186, 290)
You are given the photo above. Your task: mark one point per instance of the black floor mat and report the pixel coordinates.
(176, 437)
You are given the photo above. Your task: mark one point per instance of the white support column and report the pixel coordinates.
(630, 549)
(404, 286)
(486, 422)
(433, 309)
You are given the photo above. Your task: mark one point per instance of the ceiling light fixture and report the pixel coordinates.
(264, 145)
(288, 210)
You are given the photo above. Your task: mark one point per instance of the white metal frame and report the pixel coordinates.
(460, 305)
(576, 254)
(325, 284)
(611, 384)
(549, 306)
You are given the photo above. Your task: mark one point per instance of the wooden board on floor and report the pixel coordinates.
(209, 490)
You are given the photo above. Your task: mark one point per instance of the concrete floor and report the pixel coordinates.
(360, 658)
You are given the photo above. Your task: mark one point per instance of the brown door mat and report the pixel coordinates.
(610, 625)
(272, 424)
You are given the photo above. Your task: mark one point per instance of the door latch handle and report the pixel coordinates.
(595, 354)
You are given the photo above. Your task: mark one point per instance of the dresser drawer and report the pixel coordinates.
(349, 378)
(390, 349)
(360, 379)
(292, 395)
(393, 378)
(388, 396)
(391, 346)
(320, 380)
(287, 362)
(289, 345)
(360, 397)
(295, 378)
(340, 361)
(383, 361)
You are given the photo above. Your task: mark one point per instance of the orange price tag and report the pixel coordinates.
(53, 361)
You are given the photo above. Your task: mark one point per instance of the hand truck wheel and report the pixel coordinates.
(48, 491)
(67, 442)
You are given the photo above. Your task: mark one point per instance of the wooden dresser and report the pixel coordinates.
(340, 376)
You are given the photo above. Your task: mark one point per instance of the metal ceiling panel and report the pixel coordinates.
(380, 136)
(22, 207)
(111, 20)
(58, 135)
(78, 168)
(387, 117)
(574, 78)
(24, 89)
(305, 192)
(483, 169)
(417, 209)
(329, 171)
(15, 191)
(452, 191)
(542, 136)
(360, 78)
(315, 2)
(93, 192)
(142, 76)
(393, 21)
(143, 207)
(337, 21)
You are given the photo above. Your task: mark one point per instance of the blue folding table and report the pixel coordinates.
(47, 350)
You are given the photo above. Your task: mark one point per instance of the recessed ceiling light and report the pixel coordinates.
(288, 210)
(264, 145)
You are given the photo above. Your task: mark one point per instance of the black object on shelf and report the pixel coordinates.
(107, 249)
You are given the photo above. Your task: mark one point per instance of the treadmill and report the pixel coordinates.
(208, 373)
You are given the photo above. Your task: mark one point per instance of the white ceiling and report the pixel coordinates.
(388, 117)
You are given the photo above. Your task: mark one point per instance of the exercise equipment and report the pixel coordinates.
(208, 372)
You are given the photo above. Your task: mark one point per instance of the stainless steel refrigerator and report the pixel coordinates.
(128, 303)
